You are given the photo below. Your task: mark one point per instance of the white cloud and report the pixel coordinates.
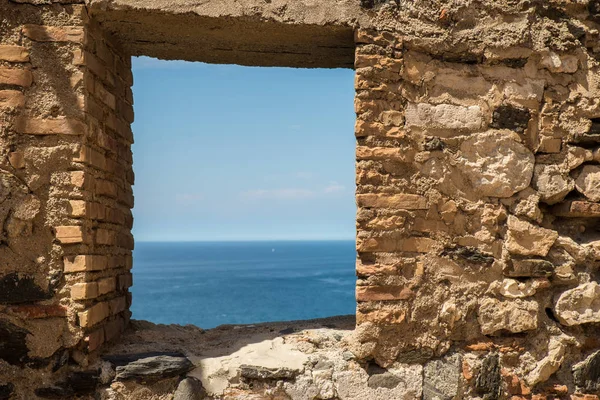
(279, 194)
(334, 187)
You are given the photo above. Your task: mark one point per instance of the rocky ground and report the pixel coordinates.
(282, 360)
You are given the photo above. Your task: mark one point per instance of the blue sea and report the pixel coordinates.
(213, 283)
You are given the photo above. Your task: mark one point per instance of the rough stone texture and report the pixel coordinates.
(154, 368)
(478, 136)
(189, 389)
(442, 378)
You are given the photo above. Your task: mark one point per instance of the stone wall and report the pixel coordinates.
(478, 170)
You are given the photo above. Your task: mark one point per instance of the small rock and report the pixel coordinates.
(563, 63)
(442, 378)
(527, 239)
(263, 373)
(489, 379)
(509, 117)
(348, 356)
(529, 268)
(189, 389)
(154, 368)
(514, 289)
(580, 305)
(588, 182)
(552, 183)
(496, 164)
(513, 316)
(586, 374)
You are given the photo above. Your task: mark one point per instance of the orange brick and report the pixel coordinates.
(383, 293)
(397, 201)
(43, 33)
(54, 126)
(39, 311)
(12, 98)
(83, 263)
(386, 245)
(17, 77)
(94, 315)
(14, 53)
(105, 236)
(95, 339)
(70, 234)
(78, 179)
(107, 188)
(107, 285)
(84, 291)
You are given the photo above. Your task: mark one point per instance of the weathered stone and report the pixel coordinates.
(405, 385)
(489, 381)
(577, 209)
(529, 268)
(154, 368)
(580, 305)
(514, 316)
(263, 373)
(549, 364)
(510, 117)
(189, 389)
(13, 346)
(561, 63)
(514, 289)
(496, 164)
(444, 116)
(15, 289)
(586, 374)
(588, 182)
(442, 378)
(552, 183)
(526, 239)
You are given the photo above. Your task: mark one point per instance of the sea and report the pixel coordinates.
(208, 284)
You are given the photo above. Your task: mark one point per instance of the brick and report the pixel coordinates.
(118, 305)
(44, 33)
(14, 53)
(17, 159)
(17, 77)
(105, 96)
(78, 58)
(385, 153)
(83, 263)
(114, 328)
(94, 315)
(363, 269)
(383, 293)
(107, 285)
(94, 339)
(51, 126)
(105, 237)
(78, 179)
(96, 211)
(70, 234)
(77, 208)
(39, 310)
(91, 157)
(106, 188)
(125, 281)
(84, 291)
(12, 98)
(396, 201)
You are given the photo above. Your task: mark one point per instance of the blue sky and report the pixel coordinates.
(224, 152)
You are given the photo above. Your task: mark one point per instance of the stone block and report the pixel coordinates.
(105, 237)
(577, 209)
(12, 98)
(383, 293)
(83, 263)
(514, 316)
(580, 305)
(51, 126)
(444, 116)
(588, 182)
(43, 33)
(125, 281)
(526, 239)
(16, 77)
(12, 53)
(118, 305)
(84, 291)
(70, 234)
(397, 201)
(93, 315)
(77, 208)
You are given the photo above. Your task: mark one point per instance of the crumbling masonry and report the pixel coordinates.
(478, 178)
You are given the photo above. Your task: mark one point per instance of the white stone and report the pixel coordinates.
(580, 305)
(588, 182)
(552, 183)
(443, 116)
(512, 316)
(526, 239)
(496, 164)
(514, 289)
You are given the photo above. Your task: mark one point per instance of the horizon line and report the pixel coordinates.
(243, 240)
